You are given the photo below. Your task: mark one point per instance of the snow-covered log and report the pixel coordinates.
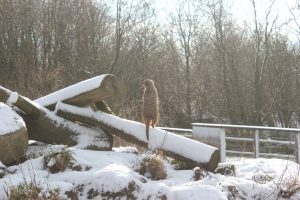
(14, 99)
(13, 135)
(85, 93)
(192, 152)
(43, 125)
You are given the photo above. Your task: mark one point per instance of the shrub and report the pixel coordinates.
(199, 174)
(153, 167)
(226, 169)
(59, 161)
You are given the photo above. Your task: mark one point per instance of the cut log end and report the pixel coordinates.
(109, 86)
(13, 146)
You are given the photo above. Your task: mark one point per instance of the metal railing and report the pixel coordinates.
(259, 137)
(180, 131)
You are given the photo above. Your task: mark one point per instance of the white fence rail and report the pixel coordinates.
(181, 131)
(222, 135)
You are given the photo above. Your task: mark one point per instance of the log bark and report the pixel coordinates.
(101, 90)
(79, 114)
(43, 125)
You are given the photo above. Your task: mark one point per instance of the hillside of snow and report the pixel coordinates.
(115, 174)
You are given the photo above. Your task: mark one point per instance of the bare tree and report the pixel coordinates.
(185, 22)
(262, 34)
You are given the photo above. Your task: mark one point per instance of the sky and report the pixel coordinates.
(242, 11)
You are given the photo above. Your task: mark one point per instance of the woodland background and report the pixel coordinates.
(206, 66)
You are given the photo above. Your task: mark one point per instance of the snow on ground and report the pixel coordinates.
(71, 91)
(9, 120)
(113, 172)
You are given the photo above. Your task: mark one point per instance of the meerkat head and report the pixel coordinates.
(148, 83)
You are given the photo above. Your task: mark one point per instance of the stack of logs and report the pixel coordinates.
(40, 125)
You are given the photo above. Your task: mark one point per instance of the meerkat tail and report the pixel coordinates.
(147, 124)
(147, 131)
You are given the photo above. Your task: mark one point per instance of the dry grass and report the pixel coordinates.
(125, 192)
(32, 191)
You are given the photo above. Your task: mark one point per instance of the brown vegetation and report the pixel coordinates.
(206, 66)
(153, 167)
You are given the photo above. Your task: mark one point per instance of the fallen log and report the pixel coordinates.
(13, 136)
(43, 125)
(85, 93)
(192, 152)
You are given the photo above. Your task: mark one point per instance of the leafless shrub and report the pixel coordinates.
(288, 187)
(288, 183)
(153, 167)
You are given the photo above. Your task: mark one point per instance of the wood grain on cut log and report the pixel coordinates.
(43, 125)
(13, 146)
(134, 132)
(13, 136)
(97, 89)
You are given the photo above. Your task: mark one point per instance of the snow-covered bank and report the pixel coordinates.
(116, 173)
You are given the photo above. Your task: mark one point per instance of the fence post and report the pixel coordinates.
(256, 144)
(223, 144)
(297, 147)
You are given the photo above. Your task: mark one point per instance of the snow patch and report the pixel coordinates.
(2, 166)
(127, 149)
(10, 121)
(13, 98)
(192, 191)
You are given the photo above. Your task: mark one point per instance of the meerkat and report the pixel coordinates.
(150, 113)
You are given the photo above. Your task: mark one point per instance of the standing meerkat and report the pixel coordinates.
(150, 112)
